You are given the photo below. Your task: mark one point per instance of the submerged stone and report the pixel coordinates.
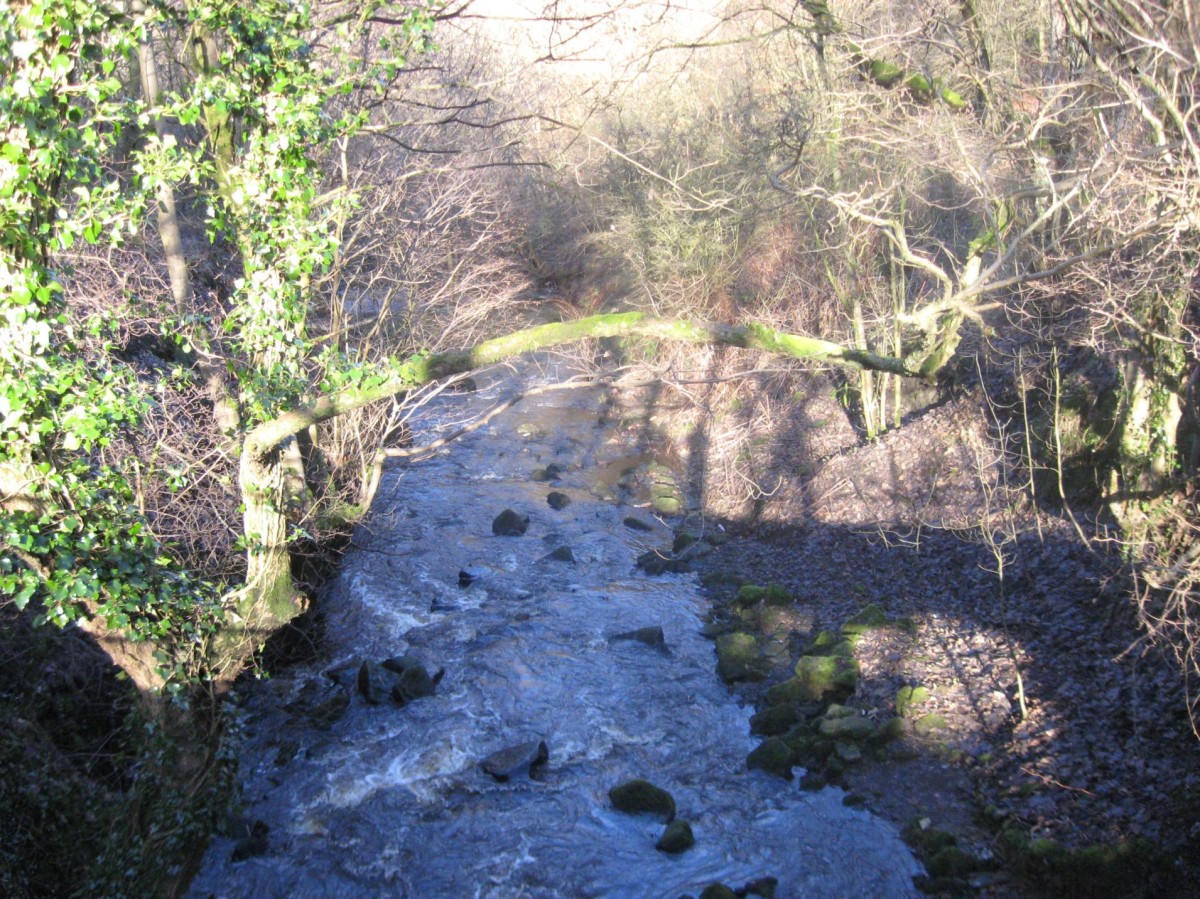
(324, 714)
(654, 562)
(550, 473)
(676, 838)
(514, 760)
(651, 636)
(774, 756)
(718, 891)
(557, 500)
(636, 524)
(562, 554)
(372, 683)
(510, 524)
(640, 797)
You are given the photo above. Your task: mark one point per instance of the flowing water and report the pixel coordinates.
(391, 800)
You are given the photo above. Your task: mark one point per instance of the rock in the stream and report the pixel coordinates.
(373, 684)
(655, 562)
(324, 714)
(255, 843)
(718, 891)
(676, 838)
(414, 680)
(558, 501)
(638, 797)
(636, 524)
(651, 636)
(510, 524)
(551, 472)
(774, 756)
(469, 575)
(562, 554)
(516, 760)
(738, 658)
(774, 720)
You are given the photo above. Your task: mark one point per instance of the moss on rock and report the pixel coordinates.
(930, 723)
(774, 756)
(640, 797)
(774, 720)
(908, 697)
(868, 619)
(678, 837)
(738, 658)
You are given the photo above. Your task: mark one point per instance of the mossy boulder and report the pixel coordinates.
(774, 756)
(557, 500)
(818, 678)
(928, 724)
(847, 729)
(829, 643)
(772, 594)
(892, 729)
(907, 698)
(738, 658)
(867, 619)
(510, 523)
(658, 562)
(640, 797)
(775, 720)
(951, 861)
(678, 837)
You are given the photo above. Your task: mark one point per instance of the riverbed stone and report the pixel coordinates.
(551, 472)
(562, 554)
(849, 728)
(718, 891)
(324, 714)
(510, 523)
(773, 756)
(678, 837)
(557, 500)
(651, 636)
(774, 720)
(928, 724)
(848, 752)
(907, 698)
(372, 683)
(511, 761)
(738, 658)
(414, 683)
(636, 524)
(869, 618)
(823, 677)
(640, 797)
(657, 562)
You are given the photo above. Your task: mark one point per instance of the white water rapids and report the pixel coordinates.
(391, 800)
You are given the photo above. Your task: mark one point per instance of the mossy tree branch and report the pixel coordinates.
(423, 368)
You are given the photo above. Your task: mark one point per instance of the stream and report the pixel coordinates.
(355, 798)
